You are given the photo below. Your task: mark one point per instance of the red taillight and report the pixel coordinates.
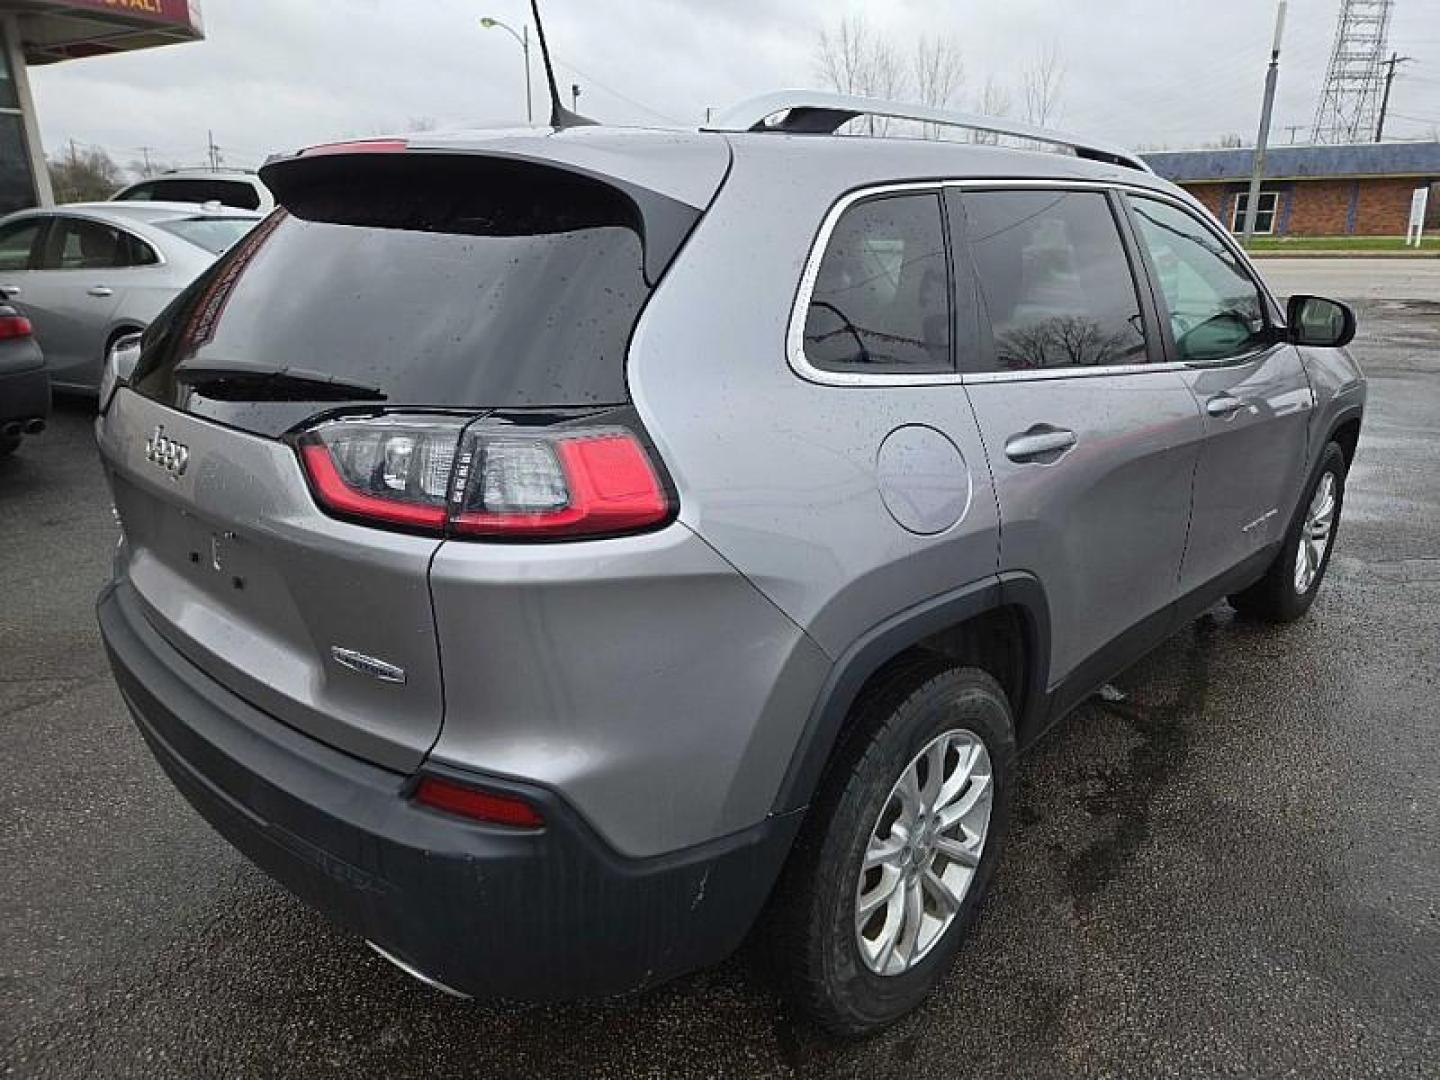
(336, 494)
(487, 806)
(14, 326)
(358, 146)
(503, 482)
(607, 477)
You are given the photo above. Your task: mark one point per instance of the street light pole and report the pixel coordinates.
(1257, 172)
(524, 40)
(525, 44)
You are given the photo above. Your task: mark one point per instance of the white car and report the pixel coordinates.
(229, 187)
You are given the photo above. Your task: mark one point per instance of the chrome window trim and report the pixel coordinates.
(795, 332)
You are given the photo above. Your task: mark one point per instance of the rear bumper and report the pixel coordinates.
(24, 395)
(552, 914)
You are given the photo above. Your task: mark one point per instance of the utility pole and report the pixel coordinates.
(145, 153)
(1257, 173)
(214, 152)
(1293, 128)
(1389, 65)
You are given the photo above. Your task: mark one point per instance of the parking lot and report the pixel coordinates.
(1233, 871)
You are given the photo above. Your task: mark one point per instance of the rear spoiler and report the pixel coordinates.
(301, 181)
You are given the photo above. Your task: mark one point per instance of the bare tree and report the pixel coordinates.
(854, 60)
(994, 100)
(85, 175)
(939, 70)
(1043, 80)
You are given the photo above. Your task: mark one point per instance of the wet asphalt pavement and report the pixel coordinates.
(1235, 871)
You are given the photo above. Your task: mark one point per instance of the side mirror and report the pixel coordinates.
(1322, 323)
(119, 366)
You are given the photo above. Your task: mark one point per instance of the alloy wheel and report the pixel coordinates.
(1316, 533)
(923, 852)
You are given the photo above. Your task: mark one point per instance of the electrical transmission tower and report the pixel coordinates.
(1355, 81)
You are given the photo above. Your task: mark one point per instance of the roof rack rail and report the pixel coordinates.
(814, 112)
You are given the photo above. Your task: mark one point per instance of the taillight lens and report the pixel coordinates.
(392, 469)
(491, 807)
(485, 482)
(14, 326)
(584, 484)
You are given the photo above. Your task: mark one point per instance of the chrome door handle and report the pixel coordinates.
(101, 290)
(1038, 442)
(8, 291)
(1224, 405)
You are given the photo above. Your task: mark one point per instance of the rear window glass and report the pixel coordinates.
(215, 235)
(457, 286)
(234, 193)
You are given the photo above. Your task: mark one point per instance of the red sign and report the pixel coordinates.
(173, 12)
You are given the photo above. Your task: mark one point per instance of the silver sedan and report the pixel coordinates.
(87, 274)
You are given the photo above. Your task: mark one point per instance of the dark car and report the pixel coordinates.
(24, 382)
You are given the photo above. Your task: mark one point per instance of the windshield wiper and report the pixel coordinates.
(241, 383)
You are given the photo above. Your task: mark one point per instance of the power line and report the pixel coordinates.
(616, 93)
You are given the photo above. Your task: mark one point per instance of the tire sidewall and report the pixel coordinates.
(964, 699)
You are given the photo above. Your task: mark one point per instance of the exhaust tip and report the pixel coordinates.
(35, 426)
(419, 976)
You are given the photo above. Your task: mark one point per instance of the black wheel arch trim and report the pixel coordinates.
(883, 642)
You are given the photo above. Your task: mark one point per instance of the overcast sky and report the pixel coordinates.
(277, 74)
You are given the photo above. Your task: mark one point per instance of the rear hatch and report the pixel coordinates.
(410, 292)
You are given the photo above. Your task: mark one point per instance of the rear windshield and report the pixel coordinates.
(464, 286)
(215, 235)
(234, 193)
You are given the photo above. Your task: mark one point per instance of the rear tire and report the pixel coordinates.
(838, 967)
(1288, 588)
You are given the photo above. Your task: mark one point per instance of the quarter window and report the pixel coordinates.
(1214, 306)
(881, 301)
(1055, 280)
(1264, 212)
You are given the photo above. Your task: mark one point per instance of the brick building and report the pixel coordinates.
(1363, 189)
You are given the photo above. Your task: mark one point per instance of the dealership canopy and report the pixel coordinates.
(49, 31)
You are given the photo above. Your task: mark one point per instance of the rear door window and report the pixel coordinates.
(881, 299)
(79, 244)
(1055, 280)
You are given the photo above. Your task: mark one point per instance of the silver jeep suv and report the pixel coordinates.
(553, 554)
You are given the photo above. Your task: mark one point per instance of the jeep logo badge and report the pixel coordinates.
(172, 456)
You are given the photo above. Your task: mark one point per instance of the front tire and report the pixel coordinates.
(899, 847)
(1288, 588)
